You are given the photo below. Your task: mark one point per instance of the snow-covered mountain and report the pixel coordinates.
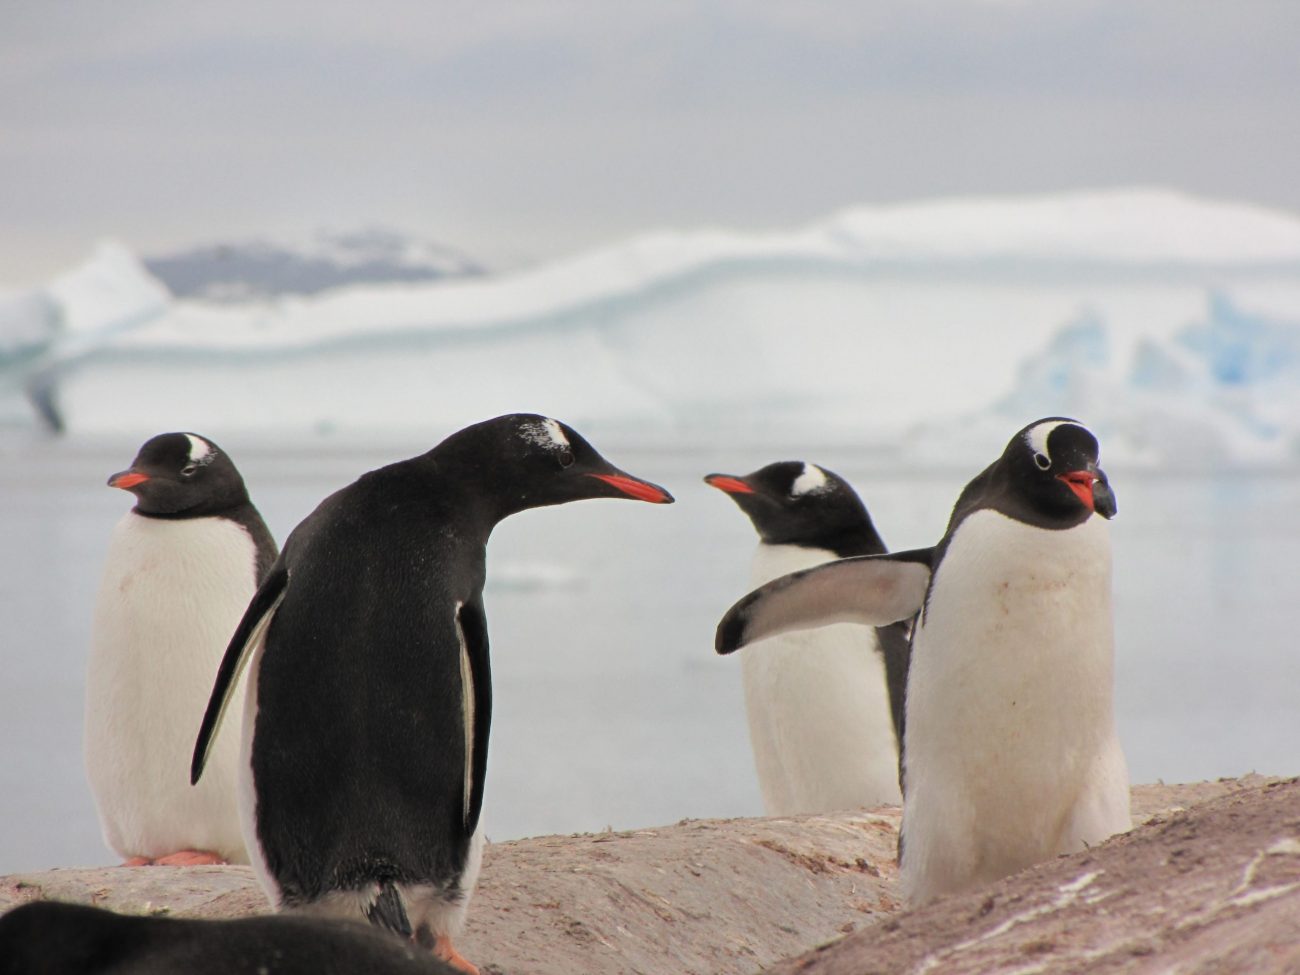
(1169, 323)
(253, 269)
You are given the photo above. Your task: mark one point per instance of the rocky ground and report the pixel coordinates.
(1210, 882)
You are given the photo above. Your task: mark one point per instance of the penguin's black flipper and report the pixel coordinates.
(476, 676)
(896, 648)
(875, 590)
(249, 633)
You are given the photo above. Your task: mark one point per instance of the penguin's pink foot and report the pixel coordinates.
(190, 858)
(442, 948)
(182, 858)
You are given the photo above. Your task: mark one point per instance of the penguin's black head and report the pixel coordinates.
(530, 461)
(1052, 463)
(182, 475)
(796, 503)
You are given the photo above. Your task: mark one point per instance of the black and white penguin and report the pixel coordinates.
(1011, 752)
(369, 693)
(825, 706)
(50, 938)
(182, 566)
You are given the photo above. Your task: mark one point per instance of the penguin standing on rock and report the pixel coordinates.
(1011, 753)
(369, 694)
(182, 565)
(825, 707)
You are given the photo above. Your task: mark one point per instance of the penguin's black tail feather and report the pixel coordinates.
(388, 911)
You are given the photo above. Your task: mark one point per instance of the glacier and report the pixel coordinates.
(1169, 323)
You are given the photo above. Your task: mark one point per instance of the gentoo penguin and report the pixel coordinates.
(825, 706)
(49, 938)
(1011, 753)
(369, 694)
(182, 565)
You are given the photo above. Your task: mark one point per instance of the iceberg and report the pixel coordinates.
(77, 313)
(918, 328)
(1224, 390)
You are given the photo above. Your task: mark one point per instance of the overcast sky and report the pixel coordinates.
(524, 130)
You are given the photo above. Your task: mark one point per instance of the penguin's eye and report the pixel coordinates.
(189, 470)
(1042, 461)
(566, 458)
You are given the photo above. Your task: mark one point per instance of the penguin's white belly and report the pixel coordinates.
(1012, 754)
(172, 594)
(818, 708)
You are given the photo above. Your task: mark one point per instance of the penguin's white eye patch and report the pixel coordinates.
(1036, 438)
(201, 452)
(812, 480)
(546, 433)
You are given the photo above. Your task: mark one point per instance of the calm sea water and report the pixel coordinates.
(611, 708)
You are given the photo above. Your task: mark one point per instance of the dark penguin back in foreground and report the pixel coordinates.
(364, 652)
(48, 938)
(374, 692)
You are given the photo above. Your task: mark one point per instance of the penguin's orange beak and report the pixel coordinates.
(1081, 482)
(633, 488)
(127, 480)
(732, 485)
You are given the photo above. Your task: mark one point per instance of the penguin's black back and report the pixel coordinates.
(359, 751)
(49, 938)
(250, 519)
(363, 666)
